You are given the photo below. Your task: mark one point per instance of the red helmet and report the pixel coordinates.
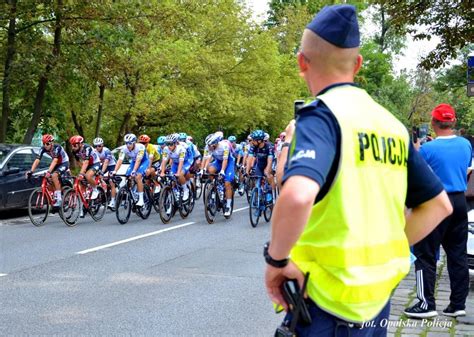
(144, 139)
(282, 135)
(76, 140)
(47, 138)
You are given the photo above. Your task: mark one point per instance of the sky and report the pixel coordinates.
(412, 53)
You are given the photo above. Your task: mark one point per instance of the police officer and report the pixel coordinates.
(350, 171)
(449, 156)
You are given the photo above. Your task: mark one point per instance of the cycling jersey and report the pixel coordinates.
(153, 152)
(87, 153)
(138, 152)
(106, 154)
(179, 154)
(239, 151)
(57, 151)
(222, 151)
(262, 153)
(197, 154)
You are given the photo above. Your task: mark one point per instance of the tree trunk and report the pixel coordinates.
(99, 111)
(125, 127)
(77, 125)
(43, 82)
(7, 71)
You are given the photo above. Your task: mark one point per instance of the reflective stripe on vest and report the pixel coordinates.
(354, 244)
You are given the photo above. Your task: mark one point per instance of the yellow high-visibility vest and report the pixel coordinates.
(354, 244)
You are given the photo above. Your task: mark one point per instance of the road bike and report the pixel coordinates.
(41, 199)
(171, 199)
(261, 200)
(127, 198)
(215, 200)
(78, 201)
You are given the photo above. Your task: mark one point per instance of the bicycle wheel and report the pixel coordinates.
(38, 207)
(166, 204)
(205, 190)
(123, 205)
(210, 203)
(98, 206)
(192, 195)
(144, 211)
(254, 209)
(70, 208)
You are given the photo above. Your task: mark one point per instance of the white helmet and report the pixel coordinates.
(130, 138)
(266, 137)
(98, 141)
(214, 138)
(173, 138)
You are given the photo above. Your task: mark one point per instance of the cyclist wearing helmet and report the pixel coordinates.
(261, 154)
(59, 165)
(138, 162)
(224, 162)
(108, 165)
(89, 159)
(181, 161)
(154, 157)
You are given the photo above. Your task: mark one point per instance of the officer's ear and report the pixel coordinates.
(358, 64)
(302, 63)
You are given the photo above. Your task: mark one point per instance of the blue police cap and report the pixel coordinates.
(337, 25)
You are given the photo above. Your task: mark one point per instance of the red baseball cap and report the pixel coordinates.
(444, 113)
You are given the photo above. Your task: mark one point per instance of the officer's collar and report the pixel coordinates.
(329, 87)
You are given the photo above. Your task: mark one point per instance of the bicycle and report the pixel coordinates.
(80, 198)
(155, 188)
(260, 200)
(215, 200)
(41, 199)
(171, 199)
(127, 198)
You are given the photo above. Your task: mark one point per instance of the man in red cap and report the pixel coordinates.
(449, 156)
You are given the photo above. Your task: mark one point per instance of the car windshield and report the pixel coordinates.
(3, 154)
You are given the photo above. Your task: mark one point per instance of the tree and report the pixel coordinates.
(452, 21)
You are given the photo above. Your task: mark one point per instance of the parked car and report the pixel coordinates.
(15, 161)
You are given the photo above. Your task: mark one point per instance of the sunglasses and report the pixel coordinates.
(169, 143)
(48, 144)
(99, 146)
(75, 144)
(130, 143)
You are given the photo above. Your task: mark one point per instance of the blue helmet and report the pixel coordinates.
(161, 140)
(182, 136)
(213, 138)
(258, 135)
(232, 139)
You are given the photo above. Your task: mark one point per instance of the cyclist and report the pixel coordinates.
(224, 162)
(89, 159)
(154, 157)
(181, 161)
(108, 165)
(138, 162)
(261, 154)
(59, 165)
(197, 156)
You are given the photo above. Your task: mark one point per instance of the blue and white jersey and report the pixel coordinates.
(196, 151)
(106, 154)
(180, 153)
(222, 151)
(239, 150)
(138, 152)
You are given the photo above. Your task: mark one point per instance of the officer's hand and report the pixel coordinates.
(274, 277)
(290, 129)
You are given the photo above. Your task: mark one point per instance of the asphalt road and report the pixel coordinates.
(142, 278)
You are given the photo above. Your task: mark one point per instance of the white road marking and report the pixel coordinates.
(3, 275)
(133, 238)
(240, 209)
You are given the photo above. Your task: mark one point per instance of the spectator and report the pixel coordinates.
(449, 156)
